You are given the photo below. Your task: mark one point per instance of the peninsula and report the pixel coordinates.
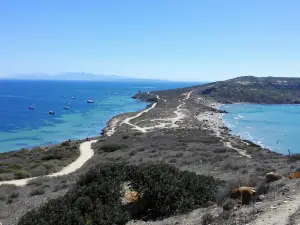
(172, 163)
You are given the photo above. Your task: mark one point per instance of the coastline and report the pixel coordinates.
(184, 131)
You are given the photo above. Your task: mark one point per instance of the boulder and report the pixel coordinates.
(243, 194)
(131, 196)
(295, 175)
(272, 176)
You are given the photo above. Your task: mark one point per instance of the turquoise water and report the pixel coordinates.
(276, 127)
(22, 128)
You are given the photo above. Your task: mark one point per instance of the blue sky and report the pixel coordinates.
(167, 39)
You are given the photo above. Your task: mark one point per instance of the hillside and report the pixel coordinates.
(267, 90)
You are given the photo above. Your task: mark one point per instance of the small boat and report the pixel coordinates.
(51, 112)
(31, 107)
(66, 107)
(73, 98)
(90, 101)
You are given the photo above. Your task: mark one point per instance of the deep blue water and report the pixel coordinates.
(21, 127)
(276, 127)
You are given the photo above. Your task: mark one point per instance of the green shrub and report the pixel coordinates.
(21, 174)
(96, 198)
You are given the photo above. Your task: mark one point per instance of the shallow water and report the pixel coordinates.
(21, 127)
(276, 127)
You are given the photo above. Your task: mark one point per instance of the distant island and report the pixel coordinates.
(75, 76)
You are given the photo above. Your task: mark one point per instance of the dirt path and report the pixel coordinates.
(163, 122)
(279, 213)
(86, 152)
(127, 120)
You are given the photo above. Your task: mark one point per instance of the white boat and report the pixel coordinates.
(73, 98)
(51, 112)
(66, 107)
(90, 101)
(31, 107)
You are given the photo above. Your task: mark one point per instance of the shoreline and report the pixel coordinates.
(212, 120)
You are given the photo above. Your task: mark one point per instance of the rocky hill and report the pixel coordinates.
(267, 90)
(247, 89)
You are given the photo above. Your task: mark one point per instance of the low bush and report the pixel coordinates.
(110, 147)
(207, 219)
(21, 174)
(294, 157)
(96, 198)
(37, 191)
(38, 181)
(229, 204)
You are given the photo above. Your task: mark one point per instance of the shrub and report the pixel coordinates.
(59, 187)
(14, 195)
(229, 204)
(37, 191)
(294, 157)
(38, 181)
(111, 147)
(21, 174)
(97, 196)
(207, 219)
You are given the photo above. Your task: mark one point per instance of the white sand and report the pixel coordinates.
(86, 152)
(112, 127)
(213, 121)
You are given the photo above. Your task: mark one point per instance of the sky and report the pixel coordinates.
(191, 40)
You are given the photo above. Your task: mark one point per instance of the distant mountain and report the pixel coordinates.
(75, 76)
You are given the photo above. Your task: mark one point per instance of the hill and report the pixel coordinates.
(262, 90)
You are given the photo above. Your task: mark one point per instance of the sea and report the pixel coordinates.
(21, 127)
(275, 127)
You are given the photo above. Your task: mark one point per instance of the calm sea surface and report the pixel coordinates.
(276, 127)
(21, 127)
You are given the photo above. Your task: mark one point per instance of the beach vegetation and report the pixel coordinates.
(97, 196)
(37, 161)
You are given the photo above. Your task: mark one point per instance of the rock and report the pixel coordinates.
(131, 196)
(272, 176)
(128, 194)
(261, 198)
(245, 194)
(295, 175)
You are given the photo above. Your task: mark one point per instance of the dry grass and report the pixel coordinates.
(38, 161)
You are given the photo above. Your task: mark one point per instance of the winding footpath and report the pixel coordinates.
(127, 120)
(163, 123)
(86, 152)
